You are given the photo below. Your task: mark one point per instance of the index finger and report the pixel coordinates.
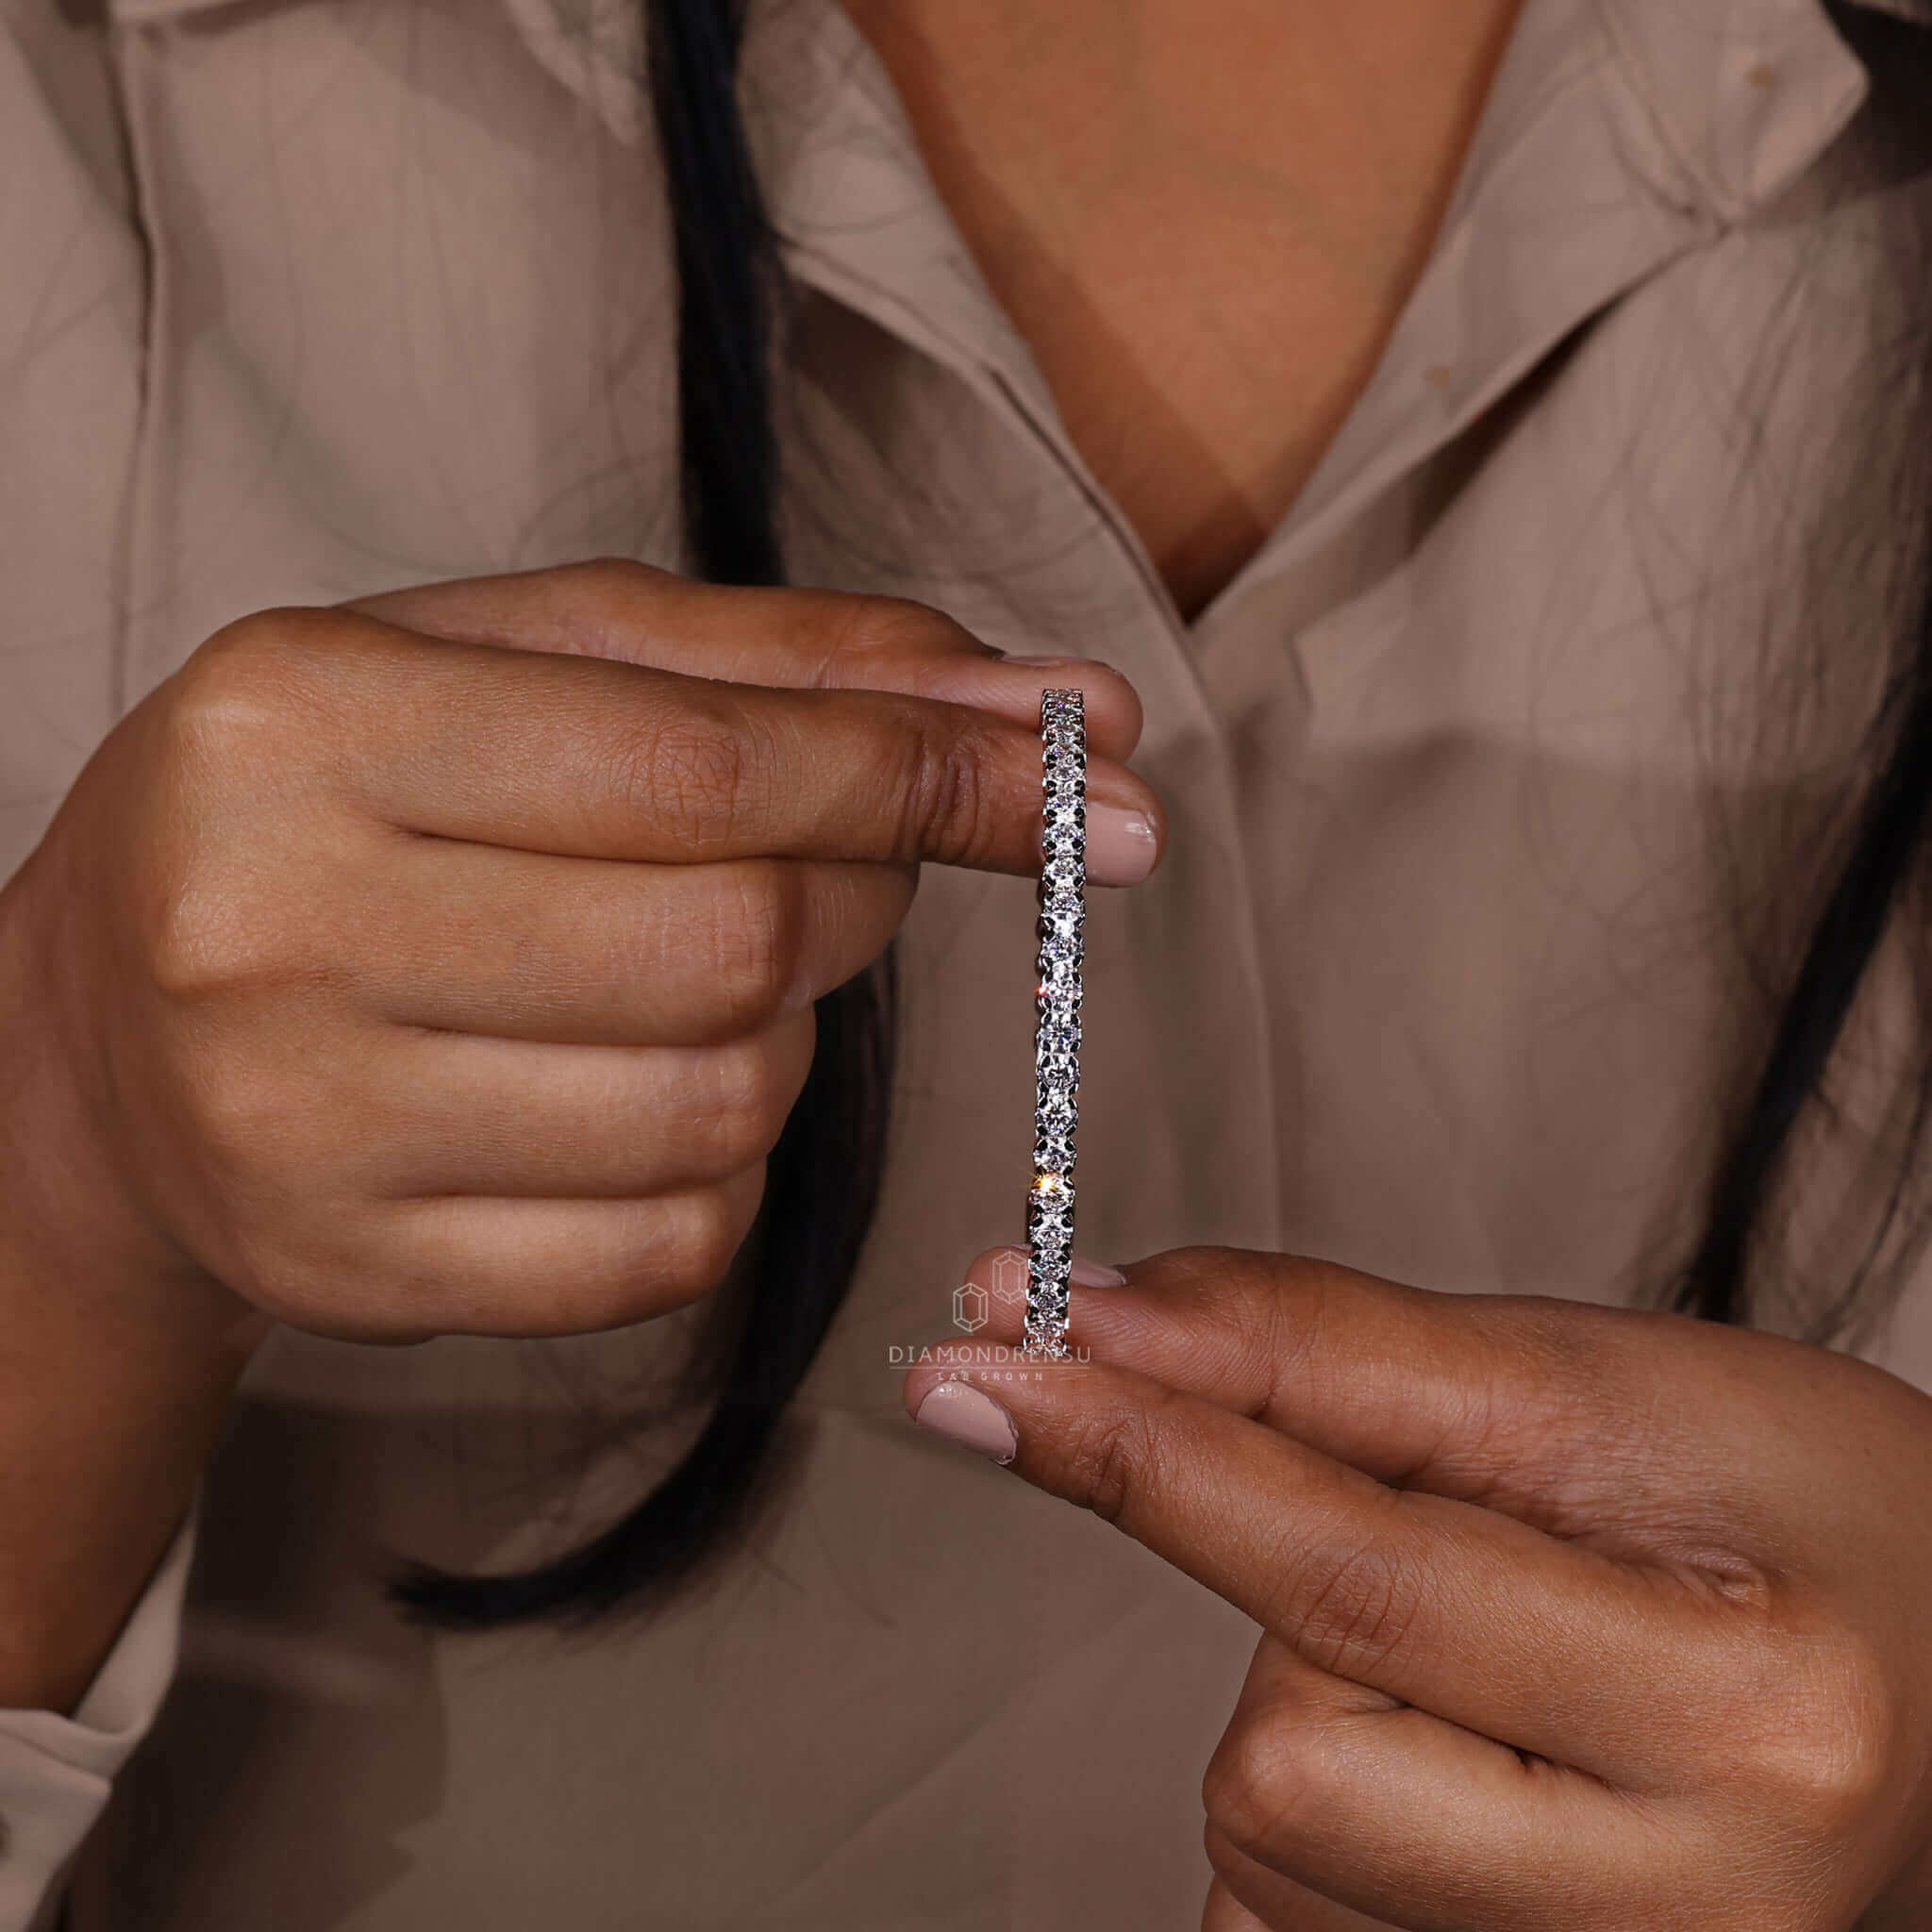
(787, 636)
(1563, 1413)
(598, 758)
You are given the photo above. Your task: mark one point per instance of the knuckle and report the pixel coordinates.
(872, 627)
(949, 803)
(1822, 1732)
(201, 944)
(240, 729)
(263, 637)
(258, 1267)
(619, 578)
(757, 942)
(610, 592)
(238, 683)
(1260, 1783)
(1230, 1863)
(239, 1113)
(1574, 1385)
(1114, 1455)
(360, 1283)
(746, 1105)
(1224, 1855)
(697, 1238)
(1352, 1607)
(291, 1242)
(1272, 1318)
(263, 1265)
(692, 765)
(215, 933)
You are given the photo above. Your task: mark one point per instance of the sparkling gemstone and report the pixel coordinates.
(1050, 1200)
(1051, 1221)
(1059, 1035)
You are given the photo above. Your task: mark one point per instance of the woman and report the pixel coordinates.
(1463, 454)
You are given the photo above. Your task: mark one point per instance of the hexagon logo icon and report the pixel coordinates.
(971, 1307)
(1010, 1268)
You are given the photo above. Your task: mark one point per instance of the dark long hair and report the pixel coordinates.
(825, 1173)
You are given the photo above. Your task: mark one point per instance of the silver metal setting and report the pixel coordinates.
(1057, 1032)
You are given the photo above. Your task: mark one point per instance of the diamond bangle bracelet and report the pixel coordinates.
(1057, 1034)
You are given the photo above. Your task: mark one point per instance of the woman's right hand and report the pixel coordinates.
(445, 963)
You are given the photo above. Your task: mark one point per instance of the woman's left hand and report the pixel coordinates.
(1571, 1617)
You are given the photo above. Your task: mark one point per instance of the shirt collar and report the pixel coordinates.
(1618, 136)
(1716, 108)
(1727, 103)
(1743, 95)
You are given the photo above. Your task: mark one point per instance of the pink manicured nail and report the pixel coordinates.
(1095, 1274)
(959, 1410)
(1121, 848)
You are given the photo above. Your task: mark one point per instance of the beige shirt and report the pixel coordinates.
(300, 299)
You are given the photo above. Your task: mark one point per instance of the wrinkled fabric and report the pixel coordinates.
(1439, 978)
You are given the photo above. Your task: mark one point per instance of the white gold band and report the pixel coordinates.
(1057, 1035)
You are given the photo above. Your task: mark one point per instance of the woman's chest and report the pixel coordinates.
(1204, 222)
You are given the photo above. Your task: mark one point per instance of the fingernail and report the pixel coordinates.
(959, 1410)
(1042, 664)
(1095, 1274)
(1121, 848)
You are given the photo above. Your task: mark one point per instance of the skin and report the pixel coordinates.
(1204, 221)
(444, 964)
(1569, 1616)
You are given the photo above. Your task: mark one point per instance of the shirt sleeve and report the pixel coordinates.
(56, 1772)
